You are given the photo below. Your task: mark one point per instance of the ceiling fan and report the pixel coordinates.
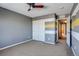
(34, 5)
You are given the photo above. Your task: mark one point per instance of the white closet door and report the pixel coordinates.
(35, 25)
(41, 30)
(38, 30)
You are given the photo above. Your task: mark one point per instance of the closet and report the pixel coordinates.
(44, 30)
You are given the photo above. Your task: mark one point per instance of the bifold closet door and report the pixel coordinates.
(41, 30)
(35, 28)
(38, 30)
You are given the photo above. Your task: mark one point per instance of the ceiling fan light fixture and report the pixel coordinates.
(33, 5)
(38, 6)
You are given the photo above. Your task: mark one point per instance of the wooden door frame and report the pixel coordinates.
(56, 30)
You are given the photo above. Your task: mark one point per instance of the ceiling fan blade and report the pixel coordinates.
(32, 5)
(38, 6)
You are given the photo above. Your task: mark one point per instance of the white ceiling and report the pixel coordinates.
(59, 8)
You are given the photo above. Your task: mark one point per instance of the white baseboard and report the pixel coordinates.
(49, 42)
(73, 52)
(15, 44)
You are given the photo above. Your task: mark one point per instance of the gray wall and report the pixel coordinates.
(75, 45)
(75, 36)
(14, 28)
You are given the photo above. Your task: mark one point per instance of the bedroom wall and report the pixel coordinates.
(14, 28)
(75, 34)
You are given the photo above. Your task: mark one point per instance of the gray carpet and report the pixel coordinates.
(36, 48)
